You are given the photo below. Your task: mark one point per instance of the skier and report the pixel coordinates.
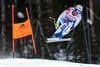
(67, 21)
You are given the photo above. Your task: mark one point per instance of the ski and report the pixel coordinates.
(51, 40)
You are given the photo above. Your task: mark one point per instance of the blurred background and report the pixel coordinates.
(84, 48)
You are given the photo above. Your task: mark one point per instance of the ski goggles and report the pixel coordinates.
(78, 11)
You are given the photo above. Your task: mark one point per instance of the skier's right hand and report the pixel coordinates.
(57, 25)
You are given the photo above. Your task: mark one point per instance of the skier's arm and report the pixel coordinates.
(59, 19)
(76, 23)
(63, 14)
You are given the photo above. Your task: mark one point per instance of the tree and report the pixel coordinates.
(3, 27)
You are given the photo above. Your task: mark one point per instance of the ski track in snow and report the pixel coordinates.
(17, 62)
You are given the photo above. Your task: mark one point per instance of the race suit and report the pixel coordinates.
(68, 22)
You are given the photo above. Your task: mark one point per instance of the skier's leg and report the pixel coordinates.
(58, 32)
(67, 29)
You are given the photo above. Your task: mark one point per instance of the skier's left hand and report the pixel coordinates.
(71, 28)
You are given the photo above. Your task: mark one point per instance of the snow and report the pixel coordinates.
(17, 62)
(20, 15)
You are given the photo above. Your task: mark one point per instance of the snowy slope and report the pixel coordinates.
(40, 63)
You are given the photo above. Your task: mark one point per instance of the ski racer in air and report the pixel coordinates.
(67, 21)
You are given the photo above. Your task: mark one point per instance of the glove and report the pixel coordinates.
(57, 24)
(71, 28)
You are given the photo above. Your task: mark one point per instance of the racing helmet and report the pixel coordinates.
(78, 8)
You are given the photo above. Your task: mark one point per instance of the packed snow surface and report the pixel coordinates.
(17, 62)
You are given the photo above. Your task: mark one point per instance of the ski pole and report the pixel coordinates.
(54, 20)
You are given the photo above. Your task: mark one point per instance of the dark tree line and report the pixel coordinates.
(83, 49)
